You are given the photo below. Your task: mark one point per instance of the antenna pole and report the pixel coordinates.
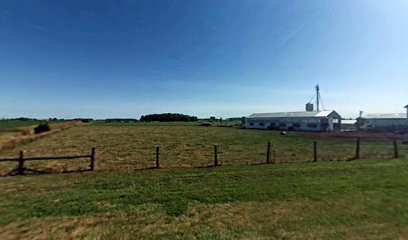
(317, 97)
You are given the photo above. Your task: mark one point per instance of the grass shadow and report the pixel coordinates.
(30, 171)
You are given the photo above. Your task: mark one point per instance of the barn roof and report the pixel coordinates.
(348, 121)
(385, 115)
(292, 114)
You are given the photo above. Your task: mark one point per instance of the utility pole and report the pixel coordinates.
(317, 97)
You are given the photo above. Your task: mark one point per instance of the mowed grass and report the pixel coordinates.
(329, 200)
(132, 146)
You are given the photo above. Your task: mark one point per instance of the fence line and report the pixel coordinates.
(21, 160)
(271, 156)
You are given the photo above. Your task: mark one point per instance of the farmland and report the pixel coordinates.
(15, 132)
(332, 198)
(132, 146)
(12, 124)
(15, 127)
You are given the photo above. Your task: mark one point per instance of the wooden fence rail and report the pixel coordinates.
(21, 159)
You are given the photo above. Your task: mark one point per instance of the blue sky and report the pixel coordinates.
(101, 59)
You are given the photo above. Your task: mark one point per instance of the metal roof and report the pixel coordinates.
(385, 115)
(348, 121)
(292, 114)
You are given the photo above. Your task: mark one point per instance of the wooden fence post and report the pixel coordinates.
(314, 151)
(395, 148)
(93, 156)
(20, 168)
(357, 156)
(268, 153)
(157, 157)
(215, 155)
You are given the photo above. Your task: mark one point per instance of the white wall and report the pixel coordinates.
(387, 122)
(289, 123)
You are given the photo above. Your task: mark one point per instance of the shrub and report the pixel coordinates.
(42, 127)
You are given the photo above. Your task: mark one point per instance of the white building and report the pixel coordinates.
(383, 122)
(392, 121)
(349, 125)
(316, 121)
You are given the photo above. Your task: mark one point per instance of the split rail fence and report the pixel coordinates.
(21, 159)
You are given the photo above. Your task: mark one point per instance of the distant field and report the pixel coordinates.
(12, 128)
(364, 199)
(13, 133)
(10, 124)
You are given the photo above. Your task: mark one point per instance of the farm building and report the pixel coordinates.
(316, 121)
(348, 125)
(384, 122)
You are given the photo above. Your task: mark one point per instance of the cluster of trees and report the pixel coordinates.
(168, 117)
(120, 120)
(21, 119)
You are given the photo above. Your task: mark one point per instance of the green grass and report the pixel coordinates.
(11, 124)
(323, 200)
(330, 199)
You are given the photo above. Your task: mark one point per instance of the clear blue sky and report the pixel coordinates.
(100, 59)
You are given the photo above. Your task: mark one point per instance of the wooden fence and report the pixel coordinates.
(270, 159)
(21, 159)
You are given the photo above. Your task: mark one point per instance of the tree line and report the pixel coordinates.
(168, 117)
(162, 117)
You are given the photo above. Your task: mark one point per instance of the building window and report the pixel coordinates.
(251, 124)
(312, 125)
(296, 125)
(261, 124)
(282, 124)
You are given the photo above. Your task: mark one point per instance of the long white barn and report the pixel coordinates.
(384, 122)
(316, 121)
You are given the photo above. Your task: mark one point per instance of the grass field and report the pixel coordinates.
(11, 124)
(15, 132)
(330, 199)
(338, 200)
(132, 146)
(15, 127)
